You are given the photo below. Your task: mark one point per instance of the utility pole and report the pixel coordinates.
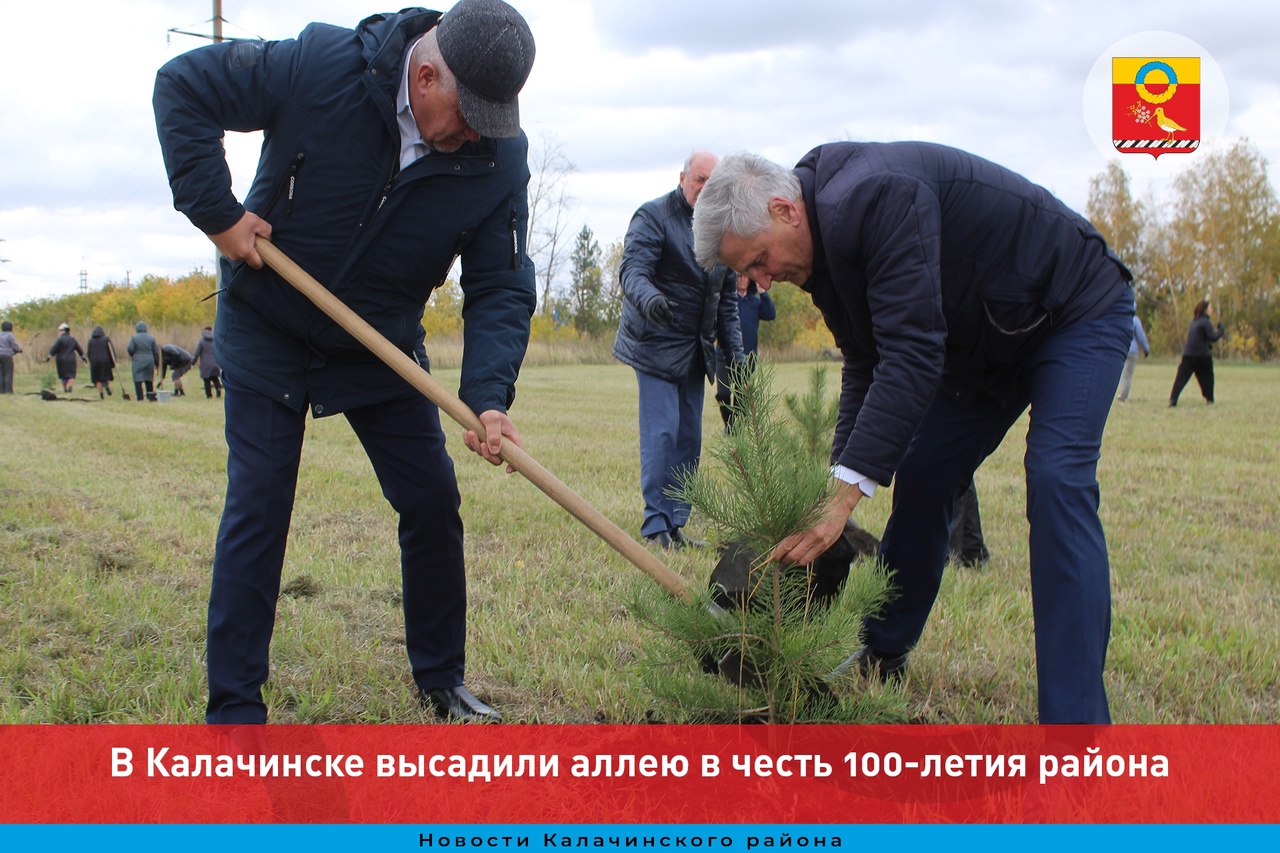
(217, 22)
(217, 38)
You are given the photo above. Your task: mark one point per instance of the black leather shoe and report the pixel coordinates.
(457, 705)
(866, 663)
(683, 541)
(662, 539)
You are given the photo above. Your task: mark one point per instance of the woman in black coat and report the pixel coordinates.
(64, 352)
(102, 361)
(1197, 353)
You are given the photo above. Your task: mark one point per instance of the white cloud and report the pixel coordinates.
(628, 88)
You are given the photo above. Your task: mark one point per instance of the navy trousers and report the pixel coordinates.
(405, 443)
(670, 441)
(1069, 385)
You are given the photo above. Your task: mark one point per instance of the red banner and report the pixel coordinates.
(641, 774)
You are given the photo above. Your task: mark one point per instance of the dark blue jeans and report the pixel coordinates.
(404, 442)
(1070, 383)
(670, 441)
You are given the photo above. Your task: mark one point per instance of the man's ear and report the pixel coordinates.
(784, 210)
(425, 75)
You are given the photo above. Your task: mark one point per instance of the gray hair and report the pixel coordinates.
(736, 201)
(427, 49)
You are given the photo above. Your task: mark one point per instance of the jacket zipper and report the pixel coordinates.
(289, 184)
(293, 182)
(515, 243)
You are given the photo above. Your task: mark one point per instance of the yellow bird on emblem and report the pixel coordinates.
(1167, 124)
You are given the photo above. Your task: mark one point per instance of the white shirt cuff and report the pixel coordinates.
(866, 485)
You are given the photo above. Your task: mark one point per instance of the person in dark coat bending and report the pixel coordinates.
(392, 150)
(174, 358)
(960, 295)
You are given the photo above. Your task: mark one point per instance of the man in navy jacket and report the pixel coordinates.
(672, 314)
(389, 151)
(960, 294)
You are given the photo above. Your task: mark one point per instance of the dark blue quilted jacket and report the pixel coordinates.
(657, 257)
(933, 266)
(329, 182)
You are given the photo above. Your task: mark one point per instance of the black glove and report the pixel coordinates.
(658, 310)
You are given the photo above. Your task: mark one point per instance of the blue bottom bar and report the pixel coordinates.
(653, 837)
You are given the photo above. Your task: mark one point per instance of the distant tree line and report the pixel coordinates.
(156, 299)
(1218, 239)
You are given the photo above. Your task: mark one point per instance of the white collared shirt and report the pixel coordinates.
(412, 147)
(865, 484)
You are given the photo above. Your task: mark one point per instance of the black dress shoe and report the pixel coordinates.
(663, 539)
(457, 705)
(866, 663)
(683, 541)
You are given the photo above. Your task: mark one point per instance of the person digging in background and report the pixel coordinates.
(9, 347)
(174, 358)
(102, 361)
(207, 357)
(66, 353)
(144, 357)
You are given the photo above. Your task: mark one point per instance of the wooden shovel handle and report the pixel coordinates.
(514, 456)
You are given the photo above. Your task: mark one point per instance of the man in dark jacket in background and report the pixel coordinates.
(174, 358)
(672, 313)
(392, 150)
(960, 294)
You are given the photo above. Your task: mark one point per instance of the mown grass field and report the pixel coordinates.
(108, 512)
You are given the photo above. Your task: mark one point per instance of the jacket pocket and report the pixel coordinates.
(1011, 326)
(286, 189)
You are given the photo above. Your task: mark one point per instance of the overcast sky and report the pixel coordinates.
(628, 88)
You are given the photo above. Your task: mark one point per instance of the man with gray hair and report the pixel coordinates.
(390, 151)
(672, 313)
(960, 295)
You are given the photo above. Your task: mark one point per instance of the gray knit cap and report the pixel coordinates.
(489, 48)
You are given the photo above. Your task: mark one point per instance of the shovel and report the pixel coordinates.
(412, 372)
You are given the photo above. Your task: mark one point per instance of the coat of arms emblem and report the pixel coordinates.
(1155, 105)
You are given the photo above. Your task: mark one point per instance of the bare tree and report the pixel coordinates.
(549, 205)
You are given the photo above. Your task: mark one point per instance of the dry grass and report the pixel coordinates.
(108, 512)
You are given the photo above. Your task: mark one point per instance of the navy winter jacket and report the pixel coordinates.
(933, 266)
(657, 258)
(329, 182)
